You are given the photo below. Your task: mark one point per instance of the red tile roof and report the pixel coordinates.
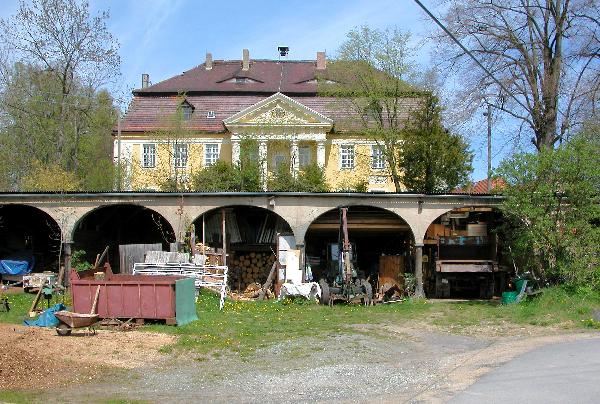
(149, 113)
(480, 187)
(216, 90)
(266, 76)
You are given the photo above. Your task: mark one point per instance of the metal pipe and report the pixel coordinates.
(118, 150)
(224, 236)
(489, 149)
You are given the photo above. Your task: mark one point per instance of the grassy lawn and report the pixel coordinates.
(243, 327)
(20, 303)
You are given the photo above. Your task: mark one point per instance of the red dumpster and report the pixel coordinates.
(169, 298)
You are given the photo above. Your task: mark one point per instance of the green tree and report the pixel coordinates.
(225, 177)
(219, 177)
(310, 178)
(49, 178)
(371, 78)
(282, 180)
(431, 158)
(552, 209)
(30, 103)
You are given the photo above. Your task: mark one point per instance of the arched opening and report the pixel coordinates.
(252, 236)
(382, 244)
(119, 225)
(462, 254)
(29, 235)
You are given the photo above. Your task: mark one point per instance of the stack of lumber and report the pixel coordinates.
(247, 269)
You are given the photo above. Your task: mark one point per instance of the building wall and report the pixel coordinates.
(338, 178)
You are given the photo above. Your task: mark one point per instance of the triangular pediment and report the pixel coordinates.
(280, 111)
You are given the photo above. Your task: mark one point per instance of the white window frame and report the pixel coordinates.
(148, 159)
(211, 157)
(180, 155)
(347, 157)
(304, 156)
(377, 157)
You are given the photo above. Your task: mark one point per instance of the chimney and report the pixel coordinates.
(321, 61)
(145, 80)
(246, 60)
(208, 63)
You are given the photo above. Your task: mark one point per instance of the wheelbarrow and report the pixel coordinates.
(68, 320)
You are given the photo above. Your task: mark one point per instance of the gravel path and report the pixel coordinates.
(393, 363)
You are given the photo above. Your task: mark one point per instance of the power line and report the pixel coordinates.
(468, 52)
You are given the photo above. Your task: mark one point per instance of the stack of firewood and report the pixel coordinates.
(249, 268)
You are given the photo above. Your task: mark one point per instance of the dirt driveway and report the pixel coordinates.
(393, 363)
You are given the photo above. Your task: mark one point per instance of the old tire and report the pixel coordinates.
(63, 330)
(324, 291)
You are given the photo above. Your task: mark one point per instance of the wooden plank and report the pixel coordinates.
(132, 253)
(391, 271)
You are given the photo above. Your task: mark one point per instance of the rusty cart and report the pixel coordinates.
(69, 320)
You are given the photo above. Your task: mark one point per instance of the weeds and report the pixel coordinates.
(244, 327)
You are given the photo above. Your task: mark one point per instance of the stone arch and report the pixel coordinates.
(252, 206)
(316, 212)
(435, 215)
(375, 232)
(31, 234)
(119, 223)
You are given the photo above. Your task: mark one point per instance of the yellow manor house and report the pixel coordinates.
(220, 103)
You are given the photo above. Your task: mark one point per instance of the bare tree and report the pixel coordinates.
(546, 53)
(60, 37)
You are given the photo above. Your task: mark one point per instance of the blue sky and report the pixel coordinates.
(166, 37)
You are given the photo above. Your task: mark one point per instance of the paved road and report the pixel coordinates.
(560, 373)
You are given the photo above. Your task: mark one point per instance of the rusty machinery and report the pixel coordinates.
(342, 279)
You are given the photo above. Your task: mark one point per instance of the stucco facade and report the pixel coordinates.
(293, 136)
(220, 103)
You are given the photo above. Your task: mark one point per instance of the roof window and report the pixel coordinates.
(186, 110)
(211, 115)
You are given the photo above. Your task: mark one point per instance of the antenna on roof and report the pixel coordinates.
(283, 51)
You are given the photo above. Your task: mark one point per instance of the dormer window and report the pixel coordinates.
(187, 110)
(239, 80)
(211, 115)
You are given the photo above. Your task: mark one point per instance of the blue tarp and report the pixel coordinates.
(20, 264)
(47, 318)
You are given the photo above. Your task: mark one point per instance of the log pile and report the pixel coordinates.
(247, 269)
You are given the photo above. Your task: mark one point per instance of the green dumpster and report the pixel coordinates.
(509, 297)
(185, 305)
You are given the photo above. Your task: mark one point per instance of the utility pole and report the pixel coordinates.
(118, 150)
(489, 147)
